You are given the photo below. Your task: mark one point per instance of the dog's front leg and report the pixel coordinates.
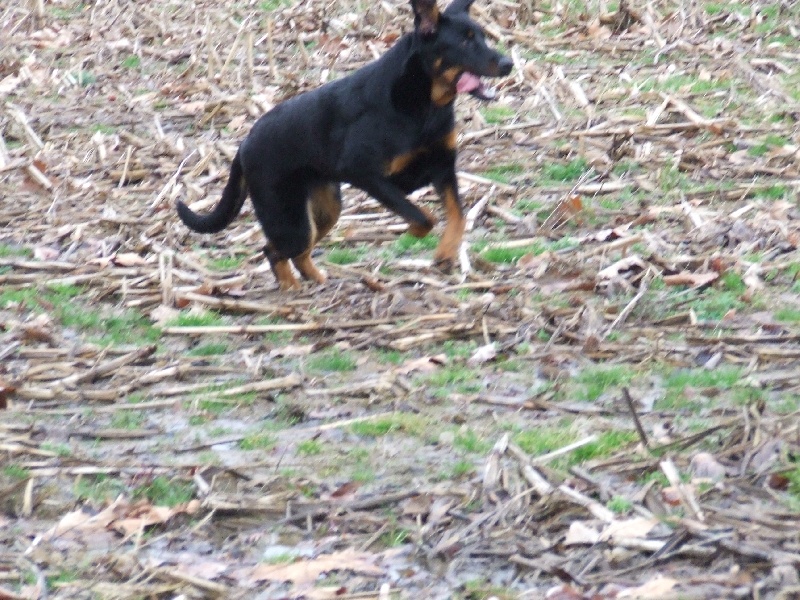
(420, 221)
(447, 250)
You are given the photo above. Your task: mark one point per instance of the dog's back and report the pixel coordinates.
(388, 129)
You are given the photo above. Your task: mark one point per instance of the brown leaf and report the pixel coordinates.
(419, 505)
(347, 489)
(564, 211)
(308, 571)
(691, 279)
(483, 354)
(129, 259)
(45, 253)
(629, 265)
(705, 466)
(425, 364)
(655, 588)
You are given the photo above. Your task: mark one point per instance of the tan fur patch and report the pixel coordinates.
(443, 90)
(454, 229)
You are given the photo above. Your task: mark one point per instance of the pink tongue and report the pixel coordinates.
(468, 83)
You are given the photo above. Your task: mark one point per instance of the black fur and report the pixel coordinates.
(386, 129)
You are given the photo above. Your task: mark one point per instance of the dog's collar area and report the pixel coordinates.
(470, 83)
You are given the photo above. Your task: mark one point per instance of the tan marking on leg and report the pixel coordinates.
(325, 209)
(399, 163)
(420, 230)
(307, 267)
(449, 141)
(447, 250)
(283, 273)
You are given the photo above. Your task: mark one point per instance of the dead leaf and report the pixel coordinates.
(655, 588)
(580, 533)
(292, 350)
(563, 212)
(129, 259)
(418, 505)
(345, 490)
(45, 253)
(425, 364)
(637, 527)
(628, 265)
(308, 571)
(705, 466)
(162, 314)
(695, 280)
(483, 354)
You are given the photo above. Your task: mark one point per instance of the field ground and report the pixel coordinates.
(602, 403)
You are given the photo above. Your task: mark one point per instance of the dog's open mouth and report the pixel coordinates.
(472, 84)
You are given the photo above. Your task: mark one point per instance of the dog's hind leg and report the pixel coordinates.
(281, 210)
(324, 205)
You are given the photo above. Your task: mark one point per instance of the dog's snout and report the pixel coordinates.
(504, 66)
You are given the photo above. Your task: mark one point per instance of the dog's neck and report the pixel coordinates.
(412, 91)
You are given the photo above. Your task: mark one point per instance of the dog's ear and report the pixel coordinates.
(426, 16)
(458, 6)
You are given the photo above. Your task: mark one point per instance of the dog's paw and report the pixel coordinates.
(420, 230)
(445, 264)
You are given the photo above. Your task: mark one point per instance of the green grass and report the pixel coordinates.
(346, 256)
(62, 450)
(606, 444)
(226, 263)
(309, 447)
(408, 423)
(272, 5)
(733, 282)
(165, 492)
(453, 379)
(593, 381)
(132, 62)
(544, 439)
(196, 319)
(408, 244)
(98, 489)
(16, 472)
(209, 349)
(788, 315)
(619, 505)
(460, 469)
(396, 536)
(773, 192)
(63, 302)
(511, 255)
(681, 385)
(10, 251)
(84, 78)
(712, 305)
(571, 171)
(389, 357)
(503, 173)
(468, 441)
(331, 360)
(497, 114)
(127, 419)
(261, 440)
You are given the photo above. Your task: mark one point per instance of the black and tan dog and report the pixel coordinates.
(387, 129)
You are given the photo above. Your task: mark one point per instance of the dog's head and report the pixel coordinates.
(454, 51)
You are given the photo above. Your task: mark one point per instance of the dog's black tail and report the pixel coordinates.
(233, 198)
